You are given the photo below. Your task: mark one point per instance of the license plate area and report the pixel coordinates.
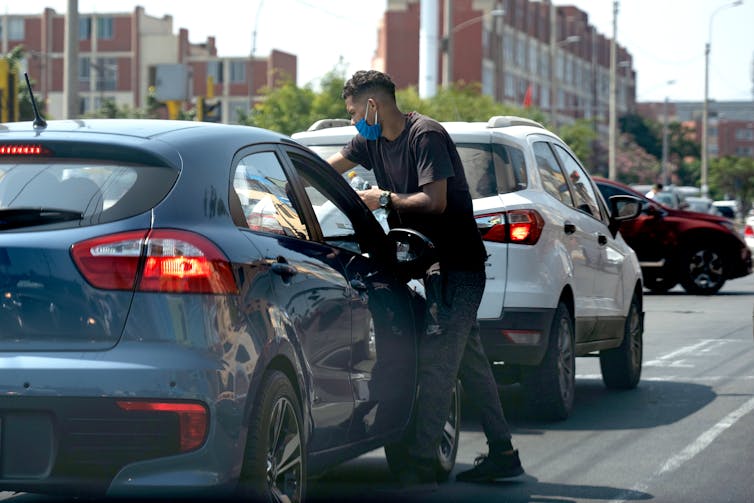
(27, 445)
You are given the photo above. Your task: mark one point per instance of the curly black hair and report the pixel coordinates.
(368, 81)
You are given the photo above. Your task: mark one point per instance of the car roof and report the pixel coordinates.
(513, 127)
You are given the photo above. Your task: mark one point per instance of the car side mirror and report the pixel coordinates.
(414, 252)
(622, 208)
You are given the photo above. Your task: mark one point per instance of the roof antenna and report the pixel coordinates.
(39, 121)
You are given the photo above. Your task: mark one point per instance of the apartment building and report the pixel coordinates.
(120, 54)
(519, 50)
(730, 127)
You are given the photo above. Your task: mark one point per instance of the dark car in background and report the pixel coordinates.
(174, 320)
(698, 250)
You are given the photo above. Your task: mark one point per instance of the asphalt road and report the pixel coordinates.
(684, 435)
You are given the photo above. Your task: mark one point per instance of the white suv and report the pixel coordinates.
(561, 282)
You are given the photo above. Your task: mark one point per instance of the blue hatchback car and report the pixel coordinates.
(191, 308)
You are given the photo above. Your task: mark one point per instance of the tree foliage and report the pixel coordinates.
(733, 178)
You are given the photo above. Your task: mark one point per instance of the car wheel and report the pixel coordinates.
(702, 270)
(274, 466)
(550, 387)
(445, 456)
(621, 366)
(660, 283)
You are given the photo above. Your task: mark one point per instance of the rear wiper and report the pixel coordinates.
(14, 218)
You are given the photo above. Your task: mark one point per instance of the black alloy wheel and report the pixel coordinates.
(702, 270)
(621, 366)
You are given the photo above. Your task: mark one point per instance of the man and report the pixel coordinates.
(653, 191)
(421, 182)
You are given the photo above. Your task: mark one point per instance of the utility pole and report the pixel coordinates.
(612, 133)
(447, 53)
(71, 62)
(553, 37)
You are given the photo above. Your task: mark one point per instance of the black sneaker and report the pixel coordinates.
(492, 467)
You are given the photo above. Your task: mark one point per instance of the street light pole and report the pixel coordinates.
(612, 120)
(705, 108)
(665, 167)
(447, 41)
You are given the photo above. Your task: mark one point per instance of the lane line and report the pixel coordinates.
(701, 442)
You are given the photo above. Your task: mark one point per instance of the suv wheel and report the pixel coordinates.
(445, 456)
(702, 270)
(660, 283)
(621, 366)
(550, 387)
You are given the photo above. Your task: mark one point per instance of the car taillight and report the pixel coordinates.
(162, 260)
(23, 149)
(192, 418)
(748, 231)
(513, 226)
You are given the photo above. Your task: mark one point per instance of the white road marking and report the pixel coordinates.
(694, 448)
(705, 379)
(672, 359)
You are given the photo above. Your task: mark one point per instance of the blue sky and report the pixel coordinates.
(665, 37)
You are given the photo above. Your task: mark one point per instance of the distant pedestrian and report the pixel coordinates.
(653, 191)
(421, 182)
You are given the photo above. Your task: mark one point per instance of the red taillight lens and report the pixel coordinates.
(192, 418)
(748, 231)
(514, 226)
(173, 261)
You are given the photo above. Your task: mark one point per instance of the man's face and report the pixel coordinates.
(356, 109)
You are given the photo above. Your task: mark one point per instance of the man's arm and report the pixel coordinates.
(431, 199)
(340, 163)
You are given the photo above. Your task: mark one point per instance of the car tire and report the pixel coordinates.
(550, 387)
(621, 366)
(660, 283)
(702, 270)
(275, 429)
(445, 456)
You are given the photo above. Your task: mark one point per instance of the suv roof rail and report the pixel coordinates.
(511, 120)
(328, 123)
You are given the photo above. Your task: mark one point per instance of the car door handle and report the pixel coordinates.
(602, 239)
(569, 228)
(285, 270)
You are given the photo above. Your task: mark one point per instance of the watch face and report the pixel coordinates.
(384, 200)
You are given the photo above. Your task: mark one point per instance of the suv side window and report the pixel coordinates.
(553, 179)
(260, 184)
(583, 193)
(510, 168)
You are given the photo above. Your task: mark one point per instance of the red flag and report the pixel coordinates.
(527, 97)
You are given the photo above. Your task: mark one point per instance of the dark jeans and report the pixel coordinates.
(450, 347)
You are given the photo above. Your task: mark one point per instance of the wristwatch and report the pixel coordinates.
(385, 199)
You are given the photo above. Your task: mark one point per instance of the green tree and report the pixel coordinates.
(733, 177)
(582, 138)
(285, 109)
(644, 133)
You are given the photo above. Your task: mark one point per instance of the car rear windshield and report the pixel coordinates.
(88, 192)
(490, 169)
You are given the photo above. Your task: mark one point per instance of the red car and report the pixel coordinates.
(698, 250)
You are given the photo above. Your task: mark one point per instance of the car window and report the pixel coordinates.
(479, 168)
(325, 151)
(260, 185)
(510, 168)
(553, 179)
(101, 191)
(337, 229)
(583, 193)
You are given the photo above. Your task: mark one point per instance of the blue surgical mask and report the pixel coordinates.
(369, 132)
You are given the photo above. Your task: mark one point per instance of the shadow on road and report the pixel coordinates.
(651, 404)
(368, 479)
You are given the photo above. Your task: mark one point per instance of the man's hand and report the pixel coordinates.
(371, 197)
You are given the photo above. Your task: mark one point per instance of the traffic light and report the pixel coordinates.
(207, 111)
(8, 91)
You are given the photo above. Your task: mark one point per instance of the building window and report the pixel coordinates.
(237, 71)
(105, 28)
(107, 73)
(16, 28)
(85, 27)
(744, 152)
(508, 47)
(215, 70)
(520, 52)
(84, 69)
(533, 57)
(510, 89)
(744, 134)
(544, 63)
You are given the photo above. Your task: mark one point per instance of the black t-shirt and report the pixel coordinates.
(424, 153)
